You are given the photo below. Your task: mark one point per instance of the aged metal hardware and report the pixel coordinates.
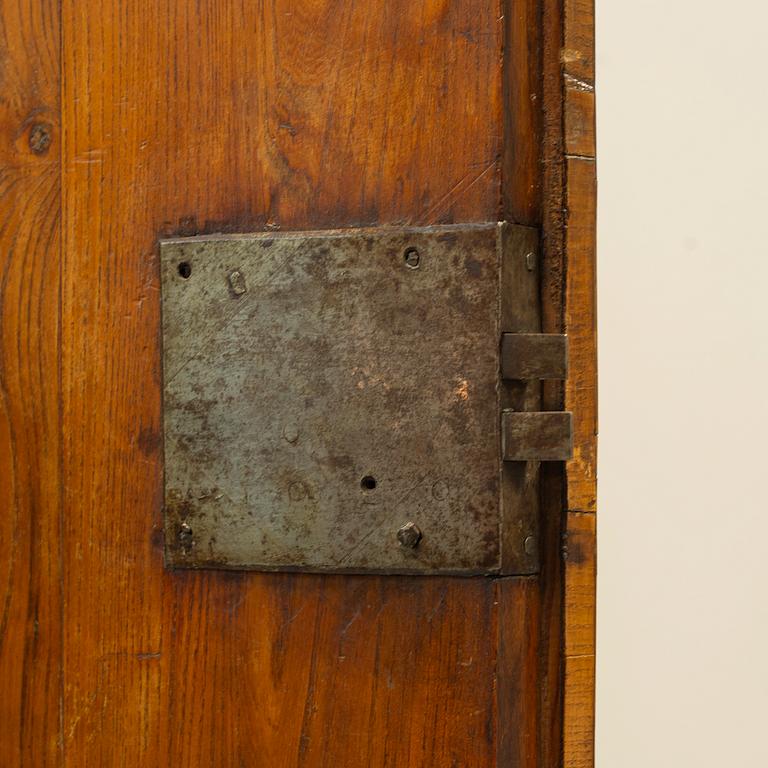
(534, 356)
(536, 436)
(337, 401)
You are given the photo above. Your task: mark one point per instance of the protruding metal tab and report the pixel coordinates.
(536, 436)
(527, 356)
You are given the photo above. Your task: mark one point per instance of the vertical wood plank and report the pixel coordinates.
(234, 117)
(568, 222)
(553, 309)
(522, 178)
(518, 672)
(581, 387)
(579, 641)
(579, 119)
(578, 54)
(581, 322)
(30, 570)
(579, 147)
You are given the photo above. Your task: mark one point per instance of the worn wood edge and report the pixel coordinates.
(579, 640)
(579, 552)
(562, 55)
(579, 119)
(533, 99)
(581, 386)
(566, 700)
(579, 707)
(580, 545)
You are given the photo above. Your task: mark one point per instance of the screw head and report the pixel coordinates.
(237, 282)
(530, 261)
(412, 258)
(185, 536)
(409, 535)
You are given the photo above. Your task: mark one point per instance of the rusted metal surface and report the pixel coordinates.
(542, 436)
(534, 356)
(332, 400)
(520, 313)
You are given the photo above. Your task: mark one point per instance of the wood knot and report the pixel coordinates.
(40, 137)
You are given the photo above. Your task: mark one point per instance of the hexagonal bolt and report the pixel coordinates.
(409, 535)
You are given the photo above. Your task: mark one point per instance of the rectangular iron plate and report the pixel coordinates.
(303, 369)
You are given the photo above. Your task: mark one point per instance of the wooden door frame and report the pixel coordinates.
(550, 81)
(568, 224)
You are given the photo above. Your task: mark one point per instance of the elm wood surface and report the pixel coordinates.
(30, 562)
(238, 116)
(581, 394)
(327, 115)
(568, 304)
(579, 640)
(581, 388)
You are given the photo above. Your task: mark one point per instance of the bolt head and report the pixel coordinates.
(185, 536)
(409, 535)
(412, 258)
(237, 282)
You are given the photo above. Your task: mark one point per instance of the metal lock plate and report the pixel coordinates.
(332, 401)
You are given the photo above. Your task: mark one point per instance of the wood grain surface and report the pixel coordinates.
(579, 640)
(238, 117)
(568, 301)
(581, 388)
(30, 565)
(120, 126)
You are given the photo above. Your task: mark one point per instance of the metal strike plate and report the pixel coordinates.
(332, 400)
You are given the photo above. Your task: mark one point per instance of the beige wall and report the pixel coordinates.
(683, 328)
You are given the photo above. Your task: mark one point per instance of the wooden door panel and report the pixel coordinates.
(124, 122)
(30, 206)
(236, 117)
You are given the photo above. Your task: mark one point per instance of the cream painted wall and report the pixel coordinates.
(683, 345)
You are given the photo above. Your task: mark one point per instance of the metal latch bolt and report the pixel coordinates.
(535, 435)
